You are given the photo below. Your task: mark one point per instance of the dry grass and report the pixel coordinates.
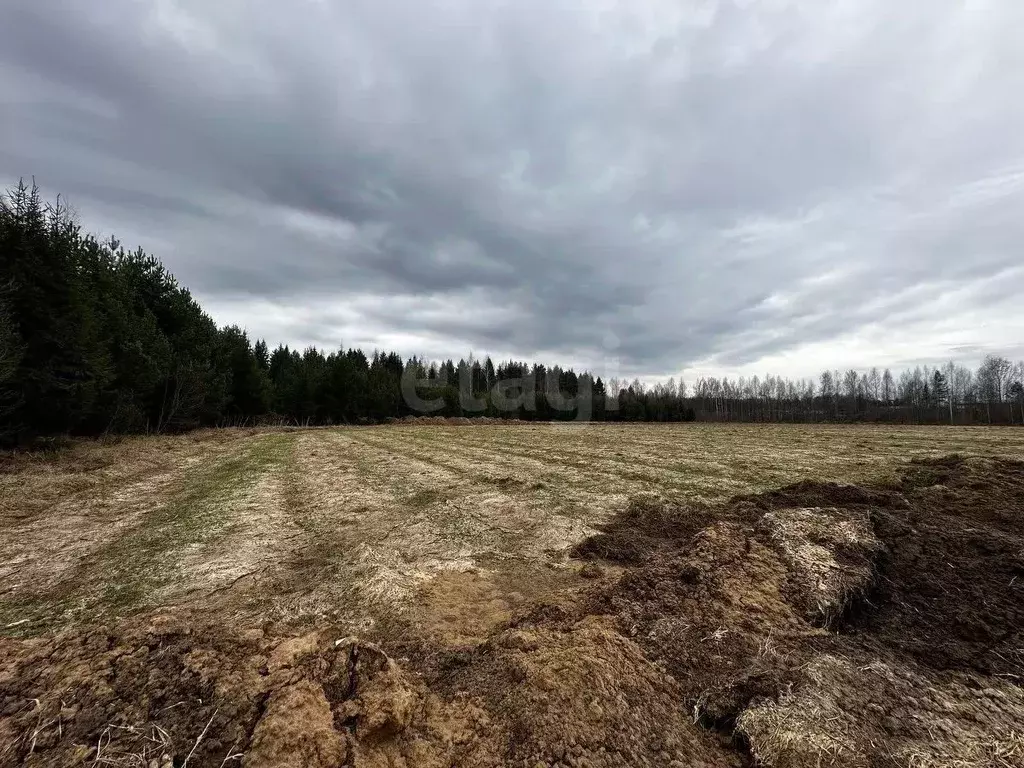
(810, 539)
(949, 722)
(352, 523)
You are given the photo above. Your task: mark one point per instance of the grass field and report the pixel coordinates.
(516, 594)
(349, 522)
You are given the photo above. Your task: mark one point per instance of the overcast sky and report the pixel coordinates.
(643, 188)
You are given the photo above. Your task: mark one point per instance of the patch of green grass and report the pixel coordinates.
(26, 617)
(122, 575)
(424, 498)
(141, 561)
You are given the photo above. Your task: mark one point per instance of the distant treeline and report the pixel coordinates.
(95, 339)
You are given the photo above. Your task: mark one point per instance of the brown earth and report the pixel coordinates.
(819, 624)
(903, 647)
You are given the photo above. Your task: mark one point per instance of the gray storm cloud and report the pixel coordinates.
(722, 184)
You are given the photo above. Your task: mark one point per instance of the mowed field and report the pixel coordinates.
(352, 524)
(432, 595)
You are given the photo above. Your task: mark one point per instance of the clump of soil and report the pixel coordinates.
(560, 691)
(176, 693)
(144, 691)
(817, 624)
(645, 528)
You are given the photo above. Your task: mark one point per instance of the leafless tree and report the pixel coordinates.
(874, 385)
(994, 372)
(992, 376)
(887, 387)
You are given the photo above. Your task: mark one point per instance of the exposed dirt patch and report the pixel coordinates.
(580, 694)
(460, 608)
(170, 692)
(951, 581)
(921, 578)
(463, 609)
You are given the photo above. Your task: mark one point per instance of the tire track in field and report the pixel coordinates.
(376, 527)
(56, 513)
(563, 467)
(140, 564)
(697, 466)
(551, 487)
(471, 486)
(376, 441)
(489, 485)
(379, 529)
(488, 453)
(566, 468)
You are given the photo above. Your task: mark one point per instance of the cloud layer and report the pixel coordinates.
(650, 186)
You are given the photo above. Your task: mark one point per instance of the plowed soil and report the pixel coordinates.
(870, 624)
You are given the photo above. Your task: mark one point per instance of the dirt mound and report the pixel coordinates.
(173, 695)
(133, 694)
(576, 693)
(812, 493)
(170, 693)
(817, 624)
(923, 580)
(645, 528)
(715, 612)
(951, 580)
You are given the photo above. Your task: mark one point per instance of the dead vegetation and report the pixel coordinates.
(831, 553)
(377, 616)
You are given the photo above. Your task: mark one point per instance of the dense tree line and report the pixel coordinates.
(97, 339)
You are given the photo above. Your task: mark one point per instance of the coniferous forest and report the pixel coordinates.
(97, 339)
